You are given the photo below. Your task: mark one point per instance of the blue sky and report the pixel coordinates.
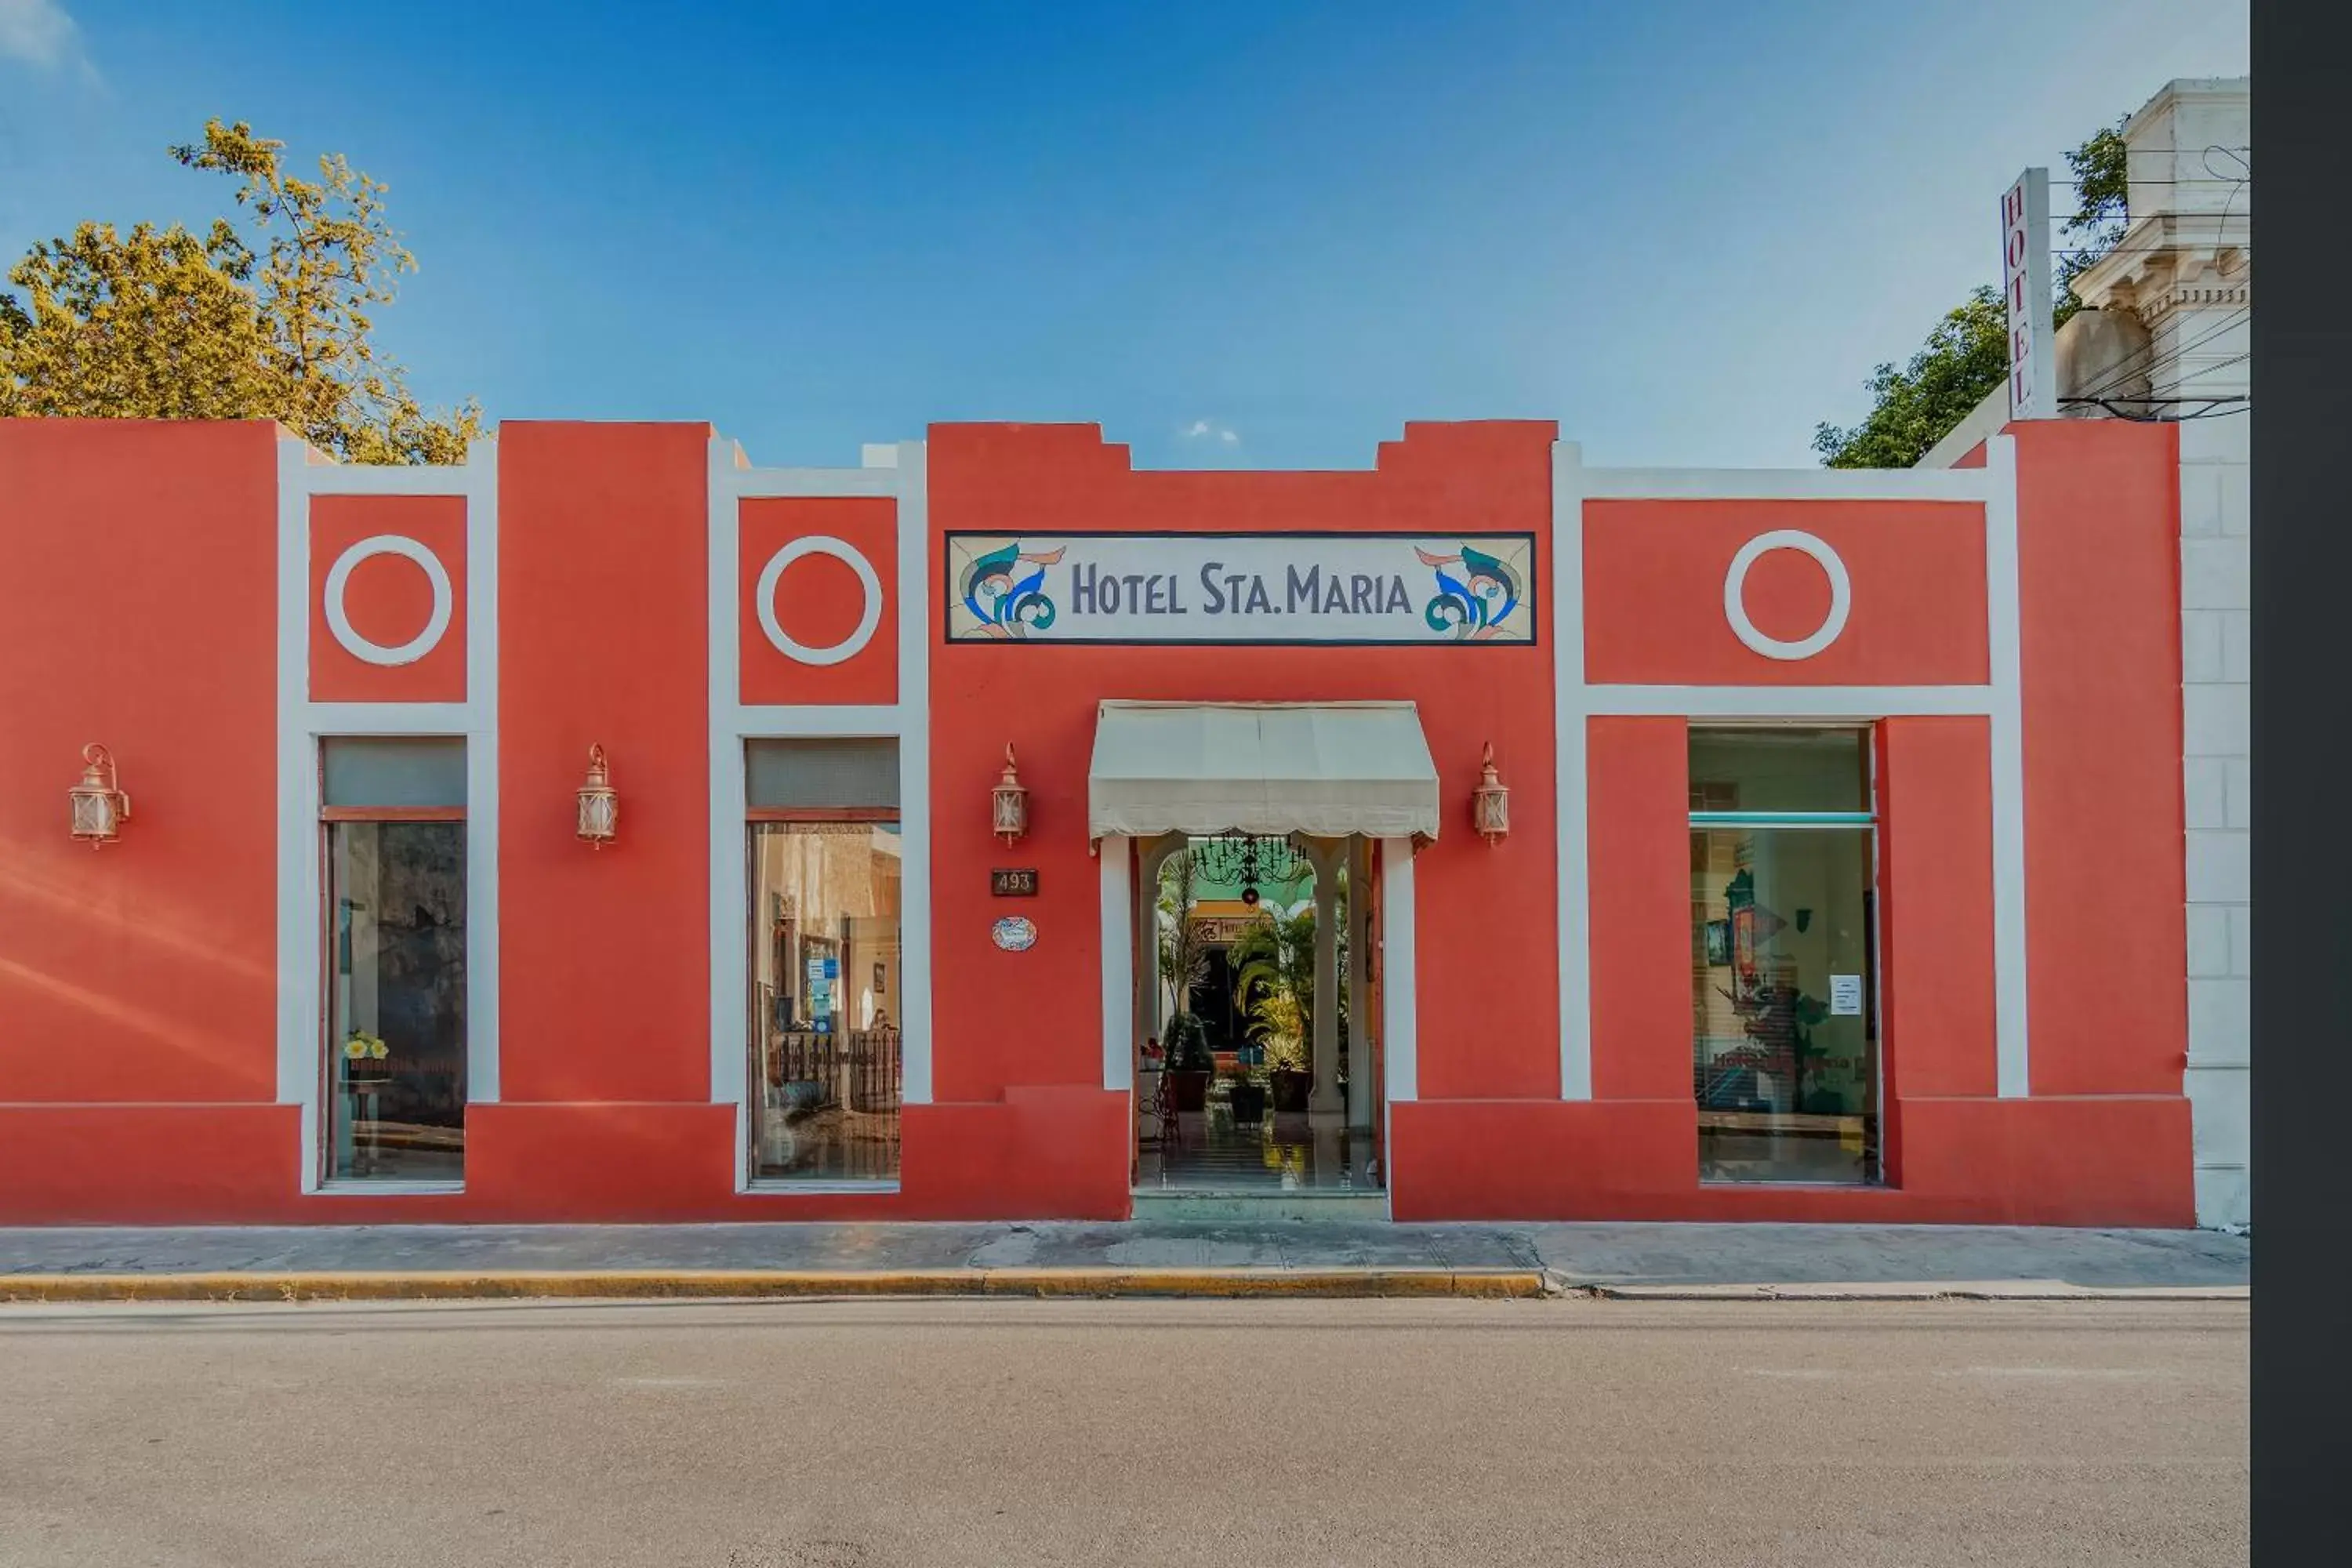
(1236, 234)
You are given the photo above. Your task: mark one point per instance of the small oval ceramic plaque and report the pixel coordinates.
(1014, 933)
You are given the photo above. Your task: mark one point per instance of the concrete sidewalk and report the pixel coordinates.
(1191, 1258)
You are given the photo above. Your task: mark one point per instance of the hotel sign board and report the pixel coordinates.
(2025, 287)
(1241, 588)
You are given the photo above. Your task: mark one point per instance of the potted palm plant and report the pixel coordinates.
(1277, 984)
(1287, 1075)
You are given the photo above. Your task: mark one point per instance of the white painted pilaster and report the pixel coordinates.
(303, 725)
(903, 478)
(2013, 1075)
(1117, 964)
(730, 890)
(912, 470)
(1400, 975)
(1570, 708)
(482, 474)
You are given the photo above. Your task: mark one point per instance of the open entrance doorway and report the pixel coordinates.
(1258, 1070)
(1257, 890)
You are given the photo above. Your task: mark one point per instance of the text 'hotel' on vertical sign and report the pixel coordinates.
(2025, 287)
(1241, 588)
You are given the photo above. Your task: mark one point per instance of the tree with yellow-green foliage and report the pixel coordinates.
(272, 321)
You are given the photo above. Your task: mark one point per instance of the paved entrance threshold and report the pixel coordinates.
(1281, 1154)
(1141, 1258)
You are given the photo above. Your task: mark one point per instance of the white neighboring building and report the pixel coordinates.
(2169, 337)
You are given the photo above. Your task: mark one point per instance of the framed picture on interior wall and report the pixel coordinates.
(1718, 944)
(1747, 981)
(881, 985)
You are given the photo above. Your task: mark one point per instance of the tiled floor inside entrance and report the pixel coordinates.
(1213, 1154)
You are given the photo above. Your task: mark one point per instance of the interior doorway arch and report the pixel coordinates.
(1376, 916)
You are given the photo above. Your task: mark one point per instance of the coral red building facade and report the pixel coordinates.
(221, 609)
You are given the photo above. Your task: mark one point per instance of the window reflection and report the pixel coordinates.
(825, 1047)
(396, 1025)
(1785, 1049)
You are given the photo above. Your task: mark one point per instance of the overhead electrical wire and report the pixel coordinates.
(2130, 365)
(2102, 391)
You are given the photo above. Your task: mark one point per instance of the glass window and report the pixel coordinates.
(816, 774)
(396, 1000)
(825, 1000)
(381, 773)
(1791, 770)
(1783, 955)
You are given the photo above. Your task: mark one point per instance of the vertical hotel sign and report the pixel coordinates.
(2025, 284)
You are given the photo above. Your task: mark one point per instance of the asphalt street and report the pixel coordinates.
(854, 1434)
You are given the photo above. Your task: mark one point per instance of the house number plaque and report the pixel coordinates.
(1020, 883)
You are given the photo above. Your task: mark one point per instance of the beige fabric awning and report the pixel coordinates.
(1327, 769)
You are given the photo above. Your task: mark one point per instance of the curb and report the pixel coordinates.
(657, 1284)
(1997, 1291)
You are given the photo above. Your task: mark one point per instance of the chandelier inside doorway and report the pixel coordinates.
(1250, 860)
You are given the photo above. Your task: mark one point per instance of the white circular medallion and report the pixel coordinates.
(1735, 594)
(1014, 933)
(339, 621)
(839, 550)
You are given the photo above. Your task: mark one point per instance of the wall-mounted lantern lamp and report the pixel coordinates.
(100, 808)
(1490, 802)
(600, 803)
(1011, 801)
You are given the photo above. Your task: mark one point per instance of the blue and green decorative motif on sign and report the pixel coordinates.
(1473, 601)
(1006, 600)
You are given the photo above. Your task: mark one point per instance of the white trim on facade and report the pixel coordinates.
(1117, 964)
(390, 717)
(327, 477)
(300, 1066)
(1969, 485)
(730, 890)
(1734, 595)
(910, 473)
(793, 484)
(869, 618)
(2014, 1076)
(1400, 982)
(1793, 703)
(733, 721)
(339, 620)
(1571, 706)
(845, 720)
(482, 1007)
(302, 725)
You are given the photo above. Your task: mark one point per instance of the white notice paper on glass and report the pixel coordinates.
(1845, 995)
